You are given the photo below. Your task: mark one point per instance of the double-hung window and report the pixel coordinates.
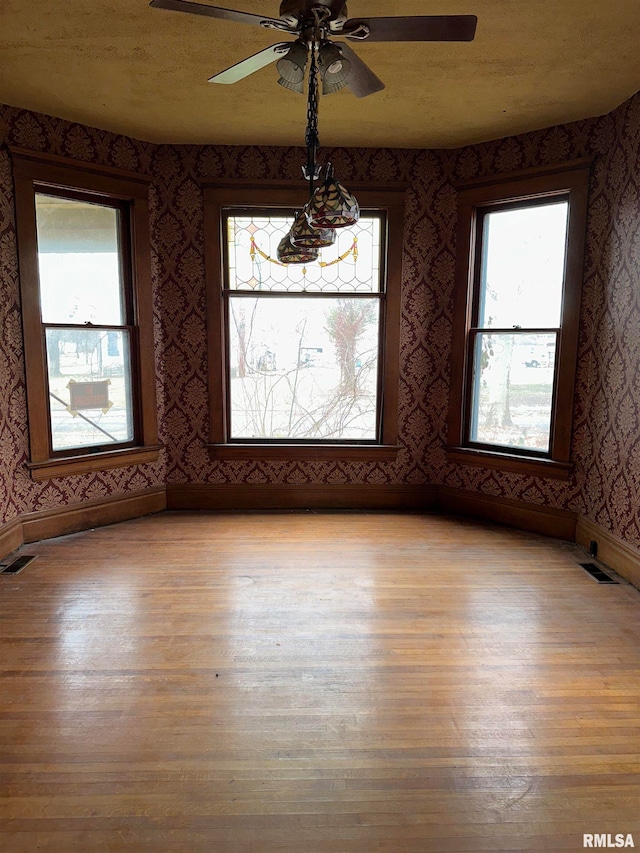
(304, 356)
(86, 315)
(521, 242)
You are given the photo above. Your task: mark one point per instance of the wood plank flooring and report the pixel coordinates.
(315, 683)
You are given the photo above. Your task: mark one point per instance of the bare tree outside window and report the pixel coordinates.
(304, 356)
(347, 322)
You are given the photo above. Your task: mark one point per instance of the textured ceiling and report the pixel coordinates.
(122, 66)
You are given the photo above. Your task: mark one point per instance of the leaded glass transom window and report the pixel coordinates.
(351, 265)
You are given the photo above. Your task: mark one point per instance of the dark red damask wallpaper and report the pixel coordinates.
(18, 492)
(605, 486)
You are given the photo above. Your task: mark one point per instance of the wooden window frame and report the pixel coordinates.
(33, 173)
(222, 196)
(568, 181)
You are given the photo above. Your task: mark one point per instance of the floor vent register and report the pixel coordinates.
(17, 564)
(596, 573)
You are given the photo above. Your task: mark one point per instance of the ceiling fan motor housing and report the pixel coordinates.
(296, 11)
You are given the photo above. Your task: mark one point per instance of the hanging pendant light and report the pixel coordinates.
(332, 205)
(303, 236)
(289, 254)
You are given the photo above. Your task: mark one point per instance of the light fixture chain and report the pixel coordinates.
(312, 138)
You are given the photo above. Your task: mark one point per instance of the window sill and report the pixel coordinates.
(535, 467)
(89, 462)
(304, 451)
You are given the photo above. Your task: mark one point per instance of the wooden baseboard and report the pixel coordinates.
(612, 551)
(10, 537)
(94, 513)
(292, 496)
(561, 524)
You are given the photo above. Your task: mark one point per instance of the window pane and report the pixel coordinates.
(253, 246)
(513, 390)
(79, 262)
(523, 267)
(304, 368)
(89, 387)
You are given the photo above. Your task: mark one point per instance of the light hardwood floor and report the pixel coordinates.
(315, 683)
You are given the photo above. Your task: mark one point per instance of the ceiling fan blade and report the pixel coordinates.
(218, 12)
(412, 28)
(251, 64)
(362, 81)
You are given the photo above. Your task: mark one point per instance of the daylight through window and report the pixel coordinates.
(520, 255)
(87, 313)
(519, 309)
(84, 319)
(303, 341)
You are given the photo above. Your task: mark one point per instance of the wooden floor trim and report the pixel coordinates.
(289, 496)
(46, 524)
(95, 513)
(612, 551)
(561, 524)
(10, 537)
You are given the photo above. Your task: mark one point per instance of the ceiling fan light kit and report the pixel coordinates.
(334, 68)
(314, 23)
(292, 66)
(293, 87)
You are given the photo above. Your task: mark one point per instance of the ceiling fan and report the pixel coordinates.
(315, 23)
